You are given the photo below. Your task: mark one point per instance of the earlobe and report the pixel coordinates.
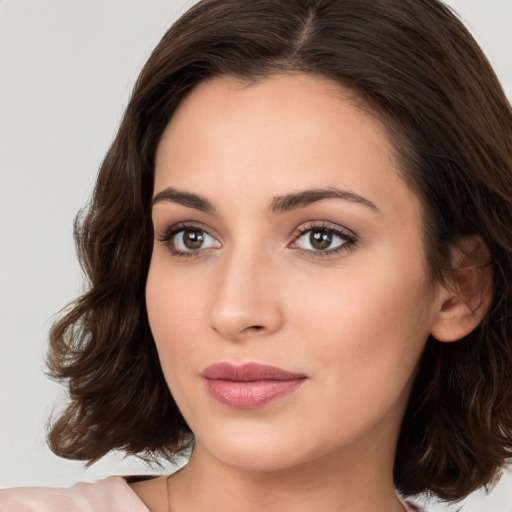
(466, 296)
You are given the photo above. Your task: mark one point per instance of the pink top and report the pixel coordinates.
(112, 494)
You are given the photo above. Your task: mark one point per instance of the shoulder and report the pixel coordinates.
(112, 494)
(151, 491)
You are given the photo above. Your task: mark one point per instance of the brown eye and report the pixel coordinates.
(320, 240)
(193, 239)
(189, 240)
(325, 241)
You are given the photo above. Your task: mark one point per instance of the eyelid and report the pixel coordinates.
(170, 232)
(328, 227)
(324, 225)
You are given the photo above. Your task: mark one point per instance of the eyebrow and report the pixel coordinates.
(279, 204)
(185, 199)
(307, 197)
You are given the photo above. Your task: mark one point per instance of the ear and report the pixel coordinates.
(466, 295)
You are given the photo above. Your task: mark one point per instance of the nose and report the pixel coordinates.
(246, 302)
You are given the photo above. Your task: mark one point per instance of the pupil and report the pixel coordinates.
(320, 239)
(193, 239)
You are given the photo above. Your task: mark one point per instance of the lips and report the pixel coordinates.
(249, 386)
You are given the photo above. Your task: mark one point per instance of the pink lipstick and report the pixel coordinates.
(250, 385)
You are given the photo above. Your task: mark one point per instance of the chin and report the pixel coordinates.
(252, 450)
(258, 460)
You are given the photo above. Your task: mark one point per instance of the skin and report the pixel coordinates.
(354, 323)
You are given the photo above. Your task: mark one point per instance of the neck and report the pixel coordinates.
(333, 483)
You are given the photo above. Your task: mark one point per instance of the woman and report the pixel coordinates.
(298, 251)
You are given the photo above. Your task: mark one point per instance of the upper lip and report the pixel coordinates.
(247, 372)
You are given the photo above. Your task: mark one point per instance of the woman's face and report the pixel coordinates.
(285, 237)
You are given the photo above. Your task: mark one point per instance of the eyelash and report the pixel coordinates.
(167, 239)
(350, 239)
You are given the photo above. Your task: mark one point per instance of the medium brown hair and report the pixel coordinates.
(415, 66)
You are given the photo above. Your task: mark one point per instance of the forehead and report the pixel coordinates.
(224, 104)
(289, 131)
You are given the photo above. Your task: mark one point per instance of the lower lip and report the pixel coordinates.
(250, 395)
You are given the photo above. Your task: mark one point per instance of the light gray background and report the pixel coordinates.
(66, 71)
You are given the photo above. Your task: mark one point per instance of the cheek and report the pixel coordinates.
(372, 322)
(363, 342)
(175, 312)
